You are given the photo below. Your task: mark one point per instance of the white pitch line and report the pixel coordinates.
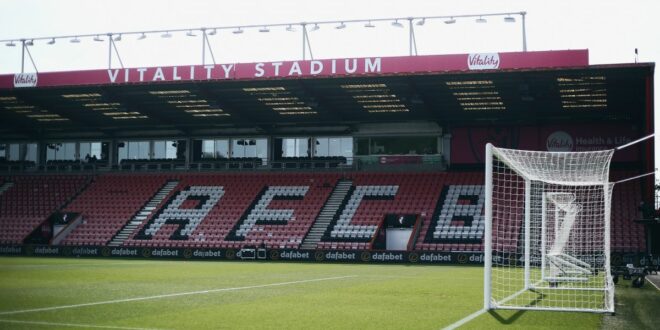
(171, 295)
(653, 284)
(74, 325)
(465, 320)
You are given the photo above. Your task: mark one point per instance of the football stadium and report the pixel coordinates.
(474, 190)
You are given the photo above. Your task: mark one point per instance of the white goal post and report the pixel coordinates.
(547, 240)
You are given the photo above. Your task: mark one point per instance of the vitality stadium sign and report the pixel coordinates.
(369, 66)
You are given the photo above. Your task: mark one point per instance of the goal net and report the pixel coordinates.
(547, 241)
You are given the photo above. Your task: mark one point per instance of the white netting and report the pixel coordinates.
(549, 230)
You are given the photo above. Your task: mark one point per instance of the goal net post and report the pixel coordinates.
(547, 231)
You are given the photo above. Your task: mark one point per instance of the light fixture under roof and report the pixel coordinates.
(29, 42)
(142, 37)
(75, 40)
(213, 32)
(340, 26)
(510, 19)
(167, 34)
(481, 20)
(369, 25)
(52, 41)
(117, 38)
(421, 22)
(396, 23)
(264, 29)
(315, 27)
(10, 44)
(237, 31)
(98, 38)
(190, 33)
(450, 20)
(290, 28)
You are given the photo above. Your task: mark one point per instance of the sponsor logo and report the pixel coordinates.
(83, 251)
(25, 80)
(146, 252)
(365, 256)
(484, 61)
(46, 250)
(10, 250)
(476, 258)
(231, 254)
(559, 141)
(462, 258)
(124, 252)
(319, 256)
(341, 256)
(164, 253)
(413, 257)
(294, 255)
(387, 256)
(187, 253)
(435, 257)
(207, 254)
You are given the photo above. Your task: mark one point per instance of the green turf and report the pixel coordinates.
(376, 297)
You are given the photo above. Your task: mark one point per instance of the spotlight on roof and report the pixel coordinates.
(213, 32)
(397, 24)
(52, 41)
(190, 33)
(238, 31)
(98, 38)
(264, 29)
(340, 26)
(29, 42)
(10, 44)
(510, 19)
(481, 20)
(142, 36)
(421, 22)
(451, 20)
(369, 25)
(315, 27)
(290, 28)
(167, 34)
(117, 38)
(75, 40)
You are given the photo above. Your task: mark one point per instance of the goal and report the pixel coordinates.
(547, 240)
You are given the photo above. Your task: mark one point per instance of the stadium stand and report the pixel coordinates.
(274, 209)
(31, 199)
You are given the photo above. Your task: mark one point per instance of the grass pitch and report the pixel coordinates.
(44, 293)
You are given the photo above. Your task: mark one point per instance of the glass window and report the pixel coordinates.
(295, 147)
(96, 150)
(221, 148)
(85, 150)
(3, 153)
(404, 145)
(14, 151)
(170, 149)
(249, 148)
(159, 149)
(31, 152)
(123, 151)
(208, 147)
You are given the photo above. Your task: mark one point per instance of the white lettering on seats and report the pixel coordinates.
(463, 203)
(260, 212)
(188, 219)
(344, 228)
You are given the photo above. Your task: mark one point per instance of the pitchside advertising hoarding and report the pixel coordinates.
(468, 143)
(303, 69)
(342, 256)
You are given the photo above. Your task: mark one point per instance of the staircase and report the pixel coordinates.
(325, 216)
(6, 186)
(143, 214)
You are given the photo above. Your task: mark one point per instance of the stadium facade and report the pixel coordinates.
(374, 159)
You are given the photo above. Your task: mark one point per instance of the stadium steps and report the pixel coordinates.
(143, 214)
(327, 213)
(6, 186)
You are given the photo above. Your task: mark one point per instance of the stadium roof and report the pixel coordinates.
(263, 98)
